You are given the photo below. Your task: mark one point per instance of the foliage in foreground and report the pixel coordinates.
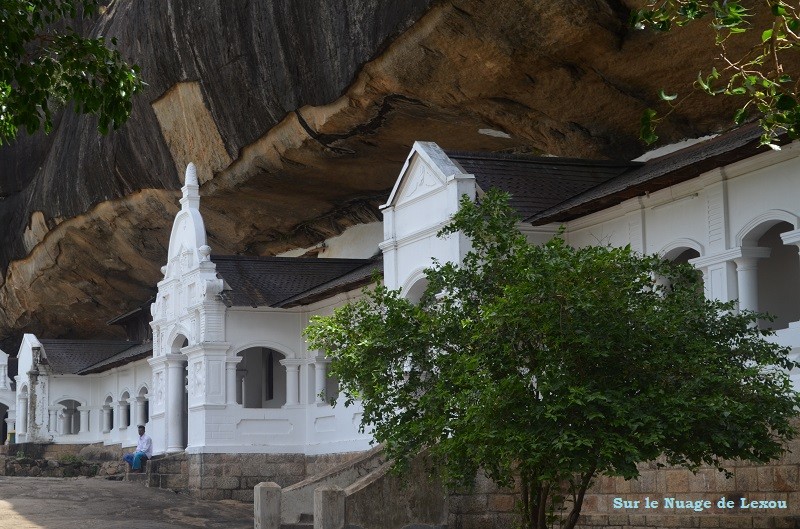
(44, 66)
(554, 365)
(757, 77)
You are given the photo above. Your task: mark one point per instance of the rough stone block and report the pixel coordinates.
(501, 502)
(267, 506)
(645, 483)
(329, 508)
(786, 478)
(746, 479)
(228, 483)
(473, 503)
(617, 519)
(766, 478)
(702, 481)
(736, 522)
(677, 480)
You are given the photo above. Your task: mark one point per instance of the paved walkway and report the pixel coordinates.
(85, 503)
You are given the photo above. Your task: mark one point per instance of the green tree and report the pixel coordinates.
(43, 66)
(554, 365)
(757, 76)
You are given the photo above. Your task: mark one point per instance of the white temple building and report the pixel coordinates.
(226, 370)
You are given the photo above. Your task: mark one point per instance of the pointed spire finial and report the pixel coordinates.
(191, 188)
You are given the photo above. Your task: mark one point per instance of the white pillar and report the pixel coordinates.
(320, 369)
(65, 420)
(9, 427)
(83, 419)
(23, 416)
(106, 418)
(141, 416)
(747, 276)
(53, 424)
(230, 381)
(292, 381)
(176, 392)
(123, 409)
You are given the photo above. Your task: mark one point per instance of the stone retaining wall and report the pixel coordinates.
(487, 507)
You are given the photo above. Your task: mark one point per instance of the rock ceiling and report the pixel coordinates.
(299, 116)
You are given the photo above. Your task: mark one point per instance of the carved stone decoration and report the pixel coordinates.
(199, 379)
(212, 288)
(158, 388)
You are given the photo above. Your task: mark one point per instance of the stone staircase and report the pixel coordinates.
(359, 493)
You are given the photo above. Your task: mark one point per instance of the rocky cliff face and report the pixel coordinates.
(299, 116)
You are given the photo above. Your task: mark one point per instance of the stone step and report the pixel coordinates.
(306, 521)
(139, 477)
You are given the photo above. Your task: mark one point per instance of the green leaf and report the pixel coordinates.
(664, 97)
(785, 102)
(766, 35)
(740, 116)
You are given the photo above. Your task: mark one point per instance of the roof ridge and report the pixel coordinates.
(538, 159)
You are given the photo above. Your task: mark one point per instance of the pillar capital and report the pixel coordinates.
(791, 237)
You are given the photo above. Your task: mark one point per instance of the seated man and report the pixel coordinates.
(144, 451)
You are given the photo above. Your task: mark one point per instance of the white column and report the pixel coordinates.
(140, 416)
(122, 413)
(320, 369)
(23, 416)
(106, 411)
(83, 422)
(66, 421)
(9, 427)
(230, 381)
(176, 390)
(53, 425)
(292, 381)
(747, 277)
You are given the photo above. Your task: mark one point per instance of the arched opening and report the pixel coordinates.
(260, 378)
(4, 424)
(778, 278)
(416, 290)
(108, 414)
(124, 410)
(142, 407)
(682, 255)
(68, 417)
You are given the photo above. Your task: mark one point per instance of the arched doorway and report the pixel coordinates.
(779, 279)
(261, 378)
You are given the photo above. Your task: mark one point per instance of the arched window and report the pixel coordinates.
(261, 378)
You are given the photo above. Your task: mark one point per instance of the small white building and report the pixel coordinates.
(227, 370)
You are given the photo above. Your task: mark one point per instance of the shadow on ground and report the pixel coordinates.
(81, 503)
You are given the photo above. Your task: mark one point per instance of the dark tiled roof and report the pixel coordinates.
(359, 277)
(658, 173)
(130, 354)
(73, 356)
(135, 313)
(537, 183)
(269, 281)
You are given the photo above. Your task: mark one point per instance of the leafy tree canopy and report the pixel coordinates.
(44, 65)
(757, 77)
(553, 365)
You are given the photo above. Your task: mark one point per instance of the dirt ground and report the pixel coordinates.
(84, 503)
